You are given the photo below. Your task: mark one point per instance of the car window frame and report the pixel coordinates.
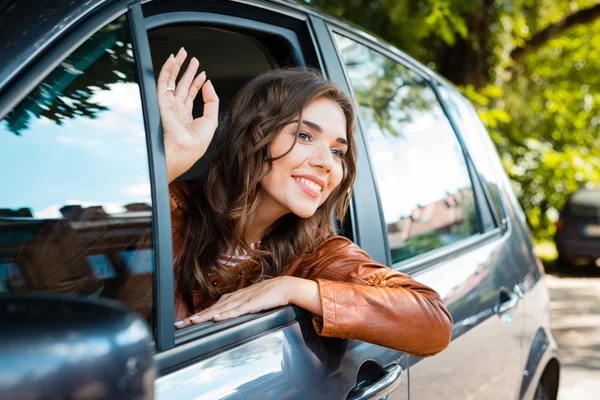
(182, 347)
(364, 195)
(488, 228)
(488, 219)
(501, 220)
(504, 227)
(171, 352)
(162, 282)
(47, 60)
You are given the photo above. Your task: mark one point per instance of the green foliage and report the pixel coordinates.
(551, 146)
(542, 111)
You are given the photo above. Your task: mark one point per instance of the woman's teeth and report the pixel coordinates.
(310, 184)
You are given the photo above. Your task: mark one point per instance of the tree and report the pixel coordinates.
(530, 67)
(579, 17)
(68, 92)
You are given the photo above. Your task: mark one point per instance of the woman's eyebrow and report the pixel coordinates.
(318, 128)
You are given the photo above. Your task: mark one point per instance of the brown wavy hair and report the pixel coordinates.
(218, 206)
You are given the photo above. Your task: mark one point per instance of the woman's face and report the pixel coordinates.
(303, 179)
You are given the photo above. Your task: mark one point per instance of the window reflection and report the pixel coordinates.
(420, 169)
(476, 136)
(75, 211)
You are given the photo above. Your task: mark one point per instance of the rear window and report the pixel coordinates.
(584, 204)
(421, 172)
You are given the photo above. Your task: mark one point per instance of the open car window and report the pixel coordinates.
(231, 59)
(231, 56)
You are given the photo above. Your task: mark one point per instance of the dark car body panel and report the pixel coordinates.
(276, 355)
(39, 360)
(26, 34)
(578, 232)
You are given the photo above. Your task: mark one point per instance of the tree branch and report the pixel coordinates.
(583, 16)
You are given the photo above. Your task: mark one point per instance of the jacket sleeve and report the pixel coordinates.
(367, 301)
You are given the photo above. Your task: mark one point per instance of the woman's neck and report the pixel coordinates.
(262, 219)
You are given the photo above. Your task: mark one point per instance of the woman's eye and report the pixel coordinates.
(305, 137)
(338, 153)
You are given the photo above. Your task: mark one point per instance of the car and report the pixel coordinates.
(86, 268)
(577, 235)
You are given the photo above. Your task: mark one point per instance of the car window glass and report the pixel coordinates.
(75, 210)
(474, 133)
(419, 165)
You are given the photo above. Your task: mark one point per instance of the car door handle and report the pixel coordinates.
(391, 379)
(508, 301)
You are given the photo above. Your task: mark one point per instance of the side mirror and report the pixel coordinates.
(61, 347)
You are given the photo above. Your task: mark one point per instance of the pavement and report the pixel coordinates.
(576, 328)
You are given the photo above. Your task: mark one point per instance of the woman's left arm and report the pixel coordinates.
(364, 300)
(352, 297)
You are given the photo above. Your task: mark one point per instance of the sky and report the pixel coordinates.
(85, 161)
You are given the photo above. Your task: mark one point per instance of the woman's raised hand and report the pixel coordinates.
(186, 139)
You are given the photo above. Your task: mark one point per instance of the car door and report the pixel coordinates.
(438, 222)
(518, 243)
(76, 219)
(94, 220)
(275, 354)
(77, 213)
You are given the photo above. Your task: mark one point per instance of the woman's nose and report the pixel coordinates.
(322, 158)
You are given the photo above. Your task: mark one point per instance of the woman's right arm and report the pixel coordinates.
(185, 138)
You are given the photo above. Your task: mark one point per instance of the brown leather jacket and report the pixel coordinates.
(361, 299)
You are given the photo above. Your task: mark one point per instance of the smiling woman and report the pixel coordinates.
(256, 232)
(311, 158)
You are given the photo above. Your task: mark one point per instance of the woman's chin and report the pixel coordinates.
(305, 212)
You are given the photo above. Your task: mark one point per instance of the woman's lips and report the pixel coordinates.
(311, 191)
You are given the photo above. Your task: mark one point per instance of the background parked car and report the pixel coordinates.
(578, 230)
(86, 212)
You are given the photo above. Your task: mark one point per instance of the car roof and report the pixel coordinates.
(586, 197)
(29, 26)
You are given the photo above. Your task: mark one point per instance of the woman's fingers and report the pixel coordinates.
(165, 72)
(178, 62)
(189, 85)
(203, 316)
(236, 311)
(244, 301)
(171, 83)
(183, 87)
(194, 89)
(181, 56)
(219, 312)
(183, 323)
(211, 102)
(217, 309)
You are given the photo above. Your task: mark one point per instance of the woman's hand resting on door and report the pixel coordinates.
(265, 295)
(185, 138)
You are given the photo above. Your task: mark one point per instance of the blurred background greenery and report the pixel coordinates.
(531, 67)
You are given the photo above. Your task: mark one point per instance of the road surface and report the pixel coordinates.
(576, 328)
